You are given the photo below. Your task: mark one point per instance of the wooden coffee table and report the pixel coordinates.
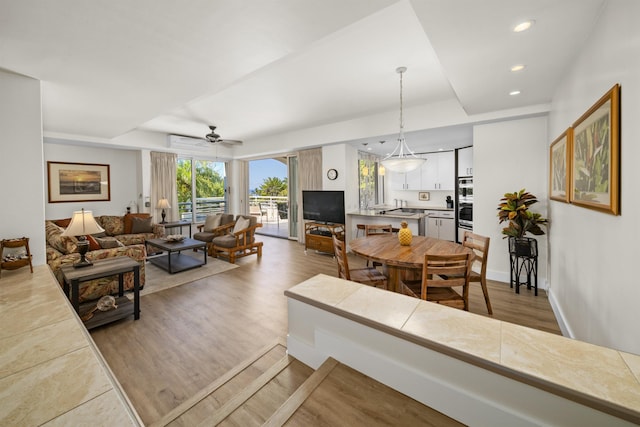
(174, 261)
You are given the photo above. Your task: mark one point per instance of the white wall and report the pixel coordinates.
(124, 170)
(22, 213)
(594, 256)
(508, 156)
(344, 159)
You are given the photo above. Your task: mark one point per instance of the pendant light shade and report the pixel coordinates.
(402, 158)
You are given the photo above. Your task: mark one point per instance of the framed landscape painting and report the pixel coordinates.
(560, 167)
(595, 156)
(78, 182)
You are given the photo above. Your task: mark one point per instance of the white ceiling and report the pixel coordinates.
(257, 68)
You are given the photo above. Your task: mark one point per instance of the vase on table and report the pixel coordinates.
(404, 234)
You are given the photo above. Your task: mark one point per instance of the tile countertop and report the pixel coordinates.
(51, 373)
(569, 368)
(389, 212)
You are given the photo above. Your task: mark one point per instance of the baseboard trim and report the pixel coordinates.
(560, 317)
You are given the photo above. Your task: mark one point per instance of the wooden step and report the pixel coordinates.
(271, 388)
(347, 397)
(216, 394)
(301, 394)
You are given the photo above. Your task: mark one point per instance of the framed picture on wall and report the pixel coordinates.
(595, 156)
(560, 167)
(78, 182)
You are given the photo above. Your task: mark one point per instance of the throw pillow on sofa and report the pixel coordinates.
(128, 220)
(108, 242)
(93, 243)
(141, 225)
(55, 239)
(113, 225)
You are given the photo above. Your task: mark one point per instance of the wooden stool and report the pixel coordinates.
(358, 228)
(13, 264)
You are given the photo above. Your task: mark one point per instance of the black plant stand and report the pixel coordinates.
(523, 253)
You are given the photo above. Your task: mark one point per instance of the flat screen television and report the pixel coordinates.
(323, 206)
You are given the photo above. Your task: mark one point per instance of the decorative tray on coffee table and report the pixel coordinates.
(174, 238)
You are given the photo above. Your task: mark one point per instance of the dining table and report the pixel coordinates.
(398, 259)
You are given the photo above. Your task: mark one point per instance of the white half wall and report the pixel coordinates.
(22, 213)
(508, 156)
(593, 257)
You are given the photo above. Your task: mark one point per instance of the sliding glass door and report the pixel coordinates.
(201, 185)
(273, 185)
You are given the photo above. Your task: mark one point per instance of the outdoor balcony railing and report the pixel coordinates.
(269, 208)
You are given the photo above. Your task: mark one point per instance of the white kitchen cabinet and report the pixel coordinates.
(438, 172)
(442, 228)
(465, 161)
(441, 224)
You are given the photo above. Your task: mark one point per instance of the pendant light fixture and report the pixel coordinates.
(402, 158)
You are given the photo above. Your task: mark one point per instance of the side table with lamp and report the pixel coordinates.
(82, 223)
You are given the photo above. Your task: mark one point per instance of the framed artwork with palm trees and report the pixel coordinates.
(595, 156)
(559, 168)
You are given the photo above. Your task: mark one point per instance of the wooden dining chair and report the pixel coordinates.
(480, 246)
(376, 230)
(440, 275)
(367, 276)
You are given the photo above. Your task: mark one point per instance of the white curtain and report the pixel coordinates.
(238, 187)
(163, 184)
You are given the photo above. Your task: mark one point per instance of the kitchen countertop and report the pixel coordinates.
(390, 214)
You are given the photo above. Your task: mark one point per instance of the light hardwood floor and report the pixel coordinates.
(190, 335)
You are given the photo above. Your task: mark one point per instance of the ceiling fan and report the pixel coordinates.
(214, 138)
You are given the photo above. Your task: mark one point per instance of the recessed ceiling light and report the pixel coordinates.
(514, 92)
(523, 26)
(440, 149)
(518, 67)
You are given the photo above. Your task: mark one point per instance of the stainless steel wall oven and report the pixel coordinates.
(465, 206)
(465, 215)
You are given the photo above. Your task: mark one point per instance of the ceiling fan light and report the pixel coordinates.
(523, 26)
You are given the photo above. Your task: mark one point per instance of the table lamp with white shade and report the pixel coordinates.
(163, 204)
(82, 223)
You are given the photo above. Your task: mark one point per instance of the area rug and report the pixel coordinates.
(158, 279)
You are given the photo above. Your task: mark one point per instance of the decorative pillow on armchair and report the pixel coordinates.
(212, 222)
(241, 224)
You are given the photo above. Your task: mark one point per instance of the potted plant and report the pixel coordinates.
(514, 208)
